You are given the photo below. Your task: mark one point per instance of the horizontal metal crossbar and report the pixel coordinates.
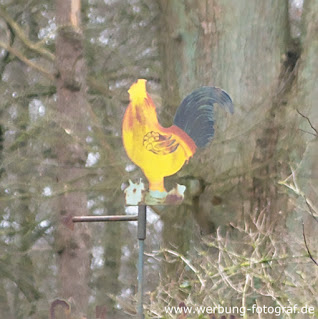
(110, 218)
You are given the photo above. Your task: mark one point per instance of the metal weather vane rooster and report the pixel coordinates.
(160, 151)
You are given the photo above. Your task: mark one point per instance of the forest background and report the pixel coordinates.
(247, 232)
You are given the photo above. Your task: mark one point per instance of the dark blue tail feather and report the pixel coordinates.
(195, 113)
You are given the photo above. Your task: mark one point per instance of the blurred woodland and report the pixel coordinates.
(247, 231)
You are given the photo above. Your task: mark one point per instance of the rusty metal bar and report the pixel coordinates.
(110, 218)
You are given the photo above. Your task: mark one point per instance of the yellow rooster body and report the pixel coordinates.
(160, 151)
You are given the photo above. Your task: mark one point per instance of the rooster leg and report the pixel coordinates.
(157, 185)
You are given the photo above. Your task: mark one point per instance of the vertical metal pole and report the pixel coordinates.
(141, 234)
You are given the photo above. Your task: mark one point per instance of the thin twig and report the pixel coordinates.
(311, 209)
(310, 133)
(36, 47)
(294, 187)
(244, 292)
(187, 262)
(25, 60)
(308, 120)
(307, 248)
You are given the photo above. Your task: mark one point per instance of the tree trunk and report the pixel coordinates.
(208, 43)
(308, 76)
(306, 104)
(73, 247)
(108, 278)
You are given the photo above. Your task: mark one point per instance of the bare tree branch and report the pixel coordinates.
(308, 120)
(24, 59)
(295, 188)
(307, 248)
(36, 47)
(311, 209)
(10, 39)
